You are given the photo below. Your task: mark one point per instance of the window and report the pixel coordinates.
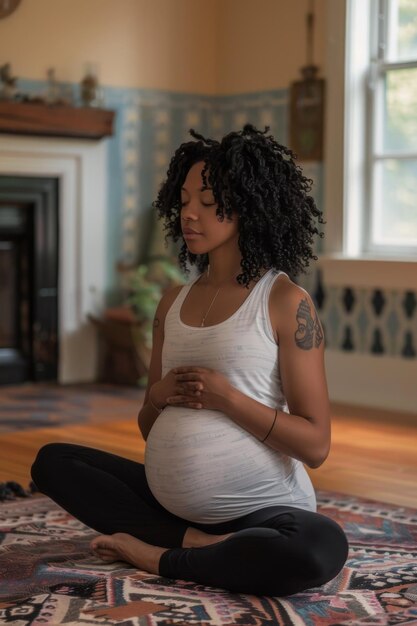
(380, 141)
(391, 223)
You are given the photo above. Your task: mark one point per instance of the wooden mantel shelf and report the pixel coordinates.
(21, 118)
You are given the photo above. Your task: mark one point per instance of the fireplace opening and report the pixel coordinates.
(28, 279)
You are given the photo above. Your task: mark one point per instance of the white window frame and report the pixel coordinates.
(346, 164)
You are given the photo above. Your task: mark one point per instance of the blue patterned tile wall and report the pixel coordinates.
(150, 125)
(373, 321)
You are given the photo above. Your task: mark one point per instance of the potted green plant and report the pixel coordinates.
(127, 329)
(146, 285)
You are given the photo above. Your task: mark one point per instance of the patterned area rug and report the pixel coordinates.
(48, 576)
(43, 405)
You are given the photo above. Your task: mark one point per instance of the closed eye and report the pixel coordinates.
(203, 203)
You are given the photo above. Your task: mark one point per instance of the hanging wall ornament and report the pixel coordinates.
(307, 105)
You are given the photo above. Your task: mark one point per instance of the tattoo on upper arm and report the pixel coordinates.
(156, 322)
(309, 330)
(319, 332)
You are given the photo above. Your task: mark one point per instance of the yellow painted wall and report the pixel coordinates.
(262, 43)
(154, 44)
(194, 46)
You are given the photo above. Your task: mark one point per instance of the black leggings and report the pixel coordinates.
(275, 551)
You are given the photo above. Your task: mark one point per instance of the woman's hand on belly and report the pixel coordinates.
(169, 386)
(212, 390)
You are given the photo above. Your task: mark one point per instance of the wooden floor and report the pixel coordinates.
(374, 453)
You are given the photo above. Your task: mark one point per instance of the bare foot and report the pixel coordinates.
(124, 547)
(195, 538)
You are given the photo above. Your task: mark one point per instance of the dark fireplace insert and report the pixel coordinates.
(28, 279)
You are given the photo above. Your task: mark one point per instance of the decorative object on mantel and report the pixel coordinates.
(52, 114)
(55, 92)
(8, 90)
(307, 105)
(127, 329)
(7, 7)
(91, 92)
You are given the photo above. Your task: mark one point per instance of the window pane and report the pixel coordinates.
(402, 30)
(395, 208)
(400, 106)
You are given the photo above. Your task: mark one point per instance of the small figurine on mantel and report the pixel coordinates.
(8, 89)
(53, 91)
(91, 92)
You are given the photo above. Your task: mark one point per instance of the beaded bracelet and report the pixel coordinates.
(273, 424)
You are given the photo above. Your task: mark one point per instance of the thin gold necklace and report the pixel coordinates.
(212, 302)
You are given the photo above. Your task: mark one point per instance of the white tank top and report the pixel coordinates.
(200, 464)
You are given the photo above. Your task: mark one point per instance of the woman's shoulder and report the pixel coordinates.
(170, 295)
(168, 300)
(286, 289)
(286, 299)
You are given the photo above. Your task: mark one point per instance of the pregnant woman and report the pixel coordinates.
(237, 400)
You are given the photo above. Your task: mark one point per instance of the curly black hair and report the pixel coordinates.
(253, 175)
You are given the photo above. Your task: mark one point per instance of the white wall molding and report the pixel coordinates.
(81, 168)
(372, 381)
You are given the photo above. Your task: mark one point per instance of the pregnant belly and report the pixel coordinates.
(203, 467)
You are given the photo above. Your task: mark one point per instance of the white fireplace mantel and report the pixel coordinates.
(81, 167)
